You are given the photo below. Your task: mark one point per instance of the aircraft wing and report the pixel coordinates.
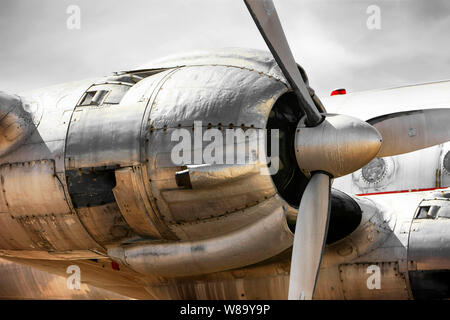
(370, 104)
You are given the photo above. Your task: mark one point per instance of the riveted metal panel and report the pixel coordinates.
(329, 285)
(110, 135)
(105, 223)
(39, 151)
(37, 213)
(354, 281)
(104, 136)
(429, 244)
(215, 94)
(62, 232)
(222, 97)
(100, 140)
(134, 204)
(13, 236)
(211, 196)
(375, 228)
(38, 207)
(48, 141)
(32, 188)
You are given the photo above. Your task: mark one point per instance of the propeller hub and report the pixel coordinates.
(339, 145)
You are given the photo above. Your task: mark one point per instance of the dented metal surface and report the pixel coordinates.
(97, 179)
(223, 97)
(258, 60)
(233, 250)
(92, 142)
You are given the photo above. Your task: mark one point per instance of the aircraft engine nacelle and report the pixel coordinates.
(232, 103)
(181, 151)
(230, 211)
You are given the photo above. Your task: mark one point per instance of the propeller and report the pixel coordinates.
(268, 23)
(326, 146)
(336, 147)
(311, 230)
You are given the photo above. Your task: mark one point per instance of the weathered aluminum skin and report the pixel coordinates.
(429, 239)
(127, 147)
(223, 97)
(229, 251)
(429, 248)
(219, 213)
(380, 240)
(100, 176)
(36, 216)
(251, 59)
(345, 266)
(18, 120)
(23, 282)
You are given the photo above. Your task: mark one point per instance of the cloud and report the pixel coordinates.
(328, 37)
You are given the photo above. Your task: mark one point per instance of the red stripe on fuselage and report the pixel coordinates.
(400, 191)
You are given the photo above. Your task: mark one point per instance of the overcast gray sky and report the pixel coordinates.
(328, 37)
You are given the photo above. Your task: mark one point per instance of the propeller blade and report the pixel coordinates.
(310, 236)
(266, 18)
(408, 131)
